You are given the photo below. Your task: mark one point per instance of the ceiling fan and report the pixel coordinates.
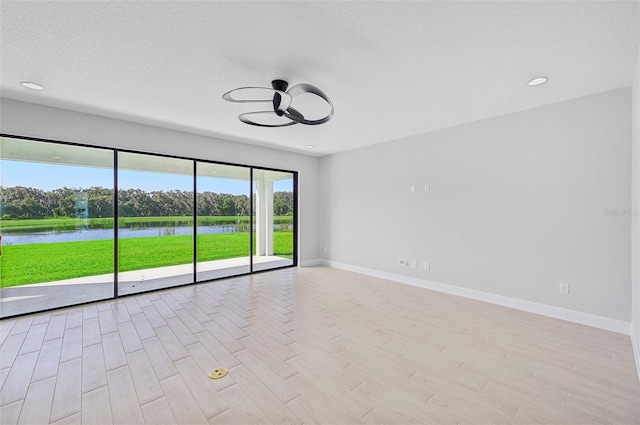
(283, 113)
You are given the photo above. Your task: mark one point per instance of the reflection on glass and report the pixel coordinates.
(56, 225)
(223, 220)
(155, 222)
(273, 228)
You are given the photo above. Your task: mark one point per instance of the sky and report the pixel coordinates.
(54, 176)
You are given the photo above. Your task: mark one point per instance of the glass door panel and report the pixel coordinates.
(223, 220)
(274, 224)
(155, 222)
(56, 225)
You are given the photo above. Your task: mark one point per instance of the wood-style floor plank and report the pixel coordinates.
(217, 350)
(5, 329)
(113, 351)
(242, 409)
(202, 388)
(278, 386)
(143, 327)
(37, 404)
(160, 361)
(35, 337)
(91, 332)
(171, 343)
(22, 325)
(96, 407)
(158, 412)
(94, 373)
(17, 382)
(71, 344)
(107, 320)
(185, 409)
(11, 412)
(10, 349)
(125, 408)
(144, 378)
(56, 327)
(67, 399)
(315, 346)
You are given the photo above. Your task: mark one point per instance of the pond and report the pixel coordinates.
(84, 234)
(147, 230)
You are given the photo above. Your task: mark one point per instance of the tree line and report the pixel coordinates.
(97, 202)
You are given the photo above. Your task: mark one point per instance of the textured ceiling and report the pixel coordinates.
(392, 69)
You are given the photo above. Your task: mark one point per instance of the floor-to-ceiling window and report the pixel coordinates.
(155, 222)
(223, 207)
(56, 225)
(80, 223)
(273, 198)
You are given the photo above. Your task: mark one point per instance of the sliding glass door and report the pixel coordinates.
(223, 200)
(56, 225)
(80, 223)
(155, 222)
(273, 204)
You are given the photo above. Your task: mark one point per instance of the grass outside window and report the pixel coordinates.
(48, 262)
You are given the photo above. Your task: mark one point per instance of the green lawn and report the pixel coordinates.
(46, 262)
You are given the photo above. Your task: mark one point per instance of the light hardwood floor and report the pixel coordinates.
(311, 345)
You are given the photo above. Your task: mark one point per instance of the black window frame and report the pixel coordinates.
(195, 161)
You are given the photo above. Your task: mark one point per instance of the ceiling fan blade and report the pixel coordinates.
(303, 88)
(255, 94)
(265, 119)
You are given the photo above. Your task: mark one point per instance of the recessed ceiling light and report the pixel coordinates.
(310, 146)
(32, 86)
(57, 157)
(537, 81)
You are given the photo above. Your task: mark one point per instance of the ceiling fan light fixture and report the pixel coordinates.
(282, 100)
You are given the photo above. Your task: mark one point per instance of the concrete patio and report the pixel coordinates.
(41, 296)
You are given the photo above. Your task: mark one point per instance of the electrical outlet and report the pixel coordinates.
(427, 265)
(427, 188)
(413, 188)
(414, 264)
(564, 288)
(403, 262)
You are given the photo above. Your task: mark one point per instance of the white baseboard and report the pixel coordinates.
(312, 262)
(600, 322)
(636, 352)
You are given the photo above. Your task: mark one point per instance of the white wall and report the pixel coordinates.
(635, 196)
(517, 205)
(26, 119)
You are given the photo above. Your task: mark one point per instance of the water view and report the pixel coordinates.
(145, 230)
(86, 234)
